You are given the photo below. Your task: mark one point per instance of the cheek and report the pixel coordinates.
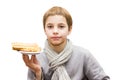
(65, 33)
(46, 32)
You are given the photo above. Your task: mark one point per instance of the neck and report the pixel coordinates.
(58, 48)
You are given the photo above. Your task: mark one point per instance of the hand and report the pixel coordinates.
(33, 64)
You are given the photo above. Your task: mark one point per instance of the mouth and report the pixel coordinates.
(55, 38)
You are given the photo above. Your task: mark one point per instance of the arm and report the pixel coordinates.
(92, 68)
(34, 72)
(33, 76)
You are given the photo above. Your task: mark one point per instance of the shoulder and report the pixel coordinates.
(42, 58)
(82, 53)
(80, 50)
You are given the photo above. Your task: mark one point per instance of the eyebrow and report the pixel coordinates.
(49, 24)
(58, 24)
(61, 23)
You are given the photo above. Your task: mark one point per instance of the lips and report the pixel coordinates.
(55, 38)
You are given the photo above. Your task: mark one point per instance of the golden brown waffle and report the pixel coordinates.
(28, 47)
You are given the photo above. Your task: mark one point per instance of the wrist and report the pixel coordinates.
(38, 75)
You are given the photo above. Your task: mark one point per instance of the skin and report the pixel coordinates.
(56, 30)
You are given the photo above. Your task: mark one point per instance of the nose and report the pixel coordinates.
(55, 30)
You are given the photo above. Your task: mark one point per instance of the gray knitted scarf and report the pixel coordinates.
(57, 61)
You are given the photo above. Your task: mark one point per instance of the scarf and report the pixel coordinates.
(57, 61)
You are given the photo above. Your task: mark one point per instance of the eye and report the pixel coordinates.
(61, 26)
(49, 26)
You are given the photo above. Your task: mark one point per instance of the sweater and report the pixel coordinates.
(81, 66)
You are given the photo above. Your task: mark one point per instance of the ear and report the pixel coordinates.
(70, 30)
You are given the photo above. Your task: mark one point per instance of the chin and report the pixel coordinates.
(56, 43)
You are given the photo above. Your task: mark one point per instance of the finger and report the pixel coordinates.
(35, 60)
(32, 58)
(25, 58)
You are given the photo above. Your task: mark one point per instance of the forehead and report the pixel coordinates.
(56, 19)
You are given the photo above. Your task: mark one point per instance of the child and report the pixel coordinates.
(61, 60)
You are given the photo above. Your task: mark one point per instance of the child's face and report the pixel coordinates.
(56, 29)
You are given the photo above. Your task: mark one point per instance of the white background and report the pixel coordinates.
(96, 26)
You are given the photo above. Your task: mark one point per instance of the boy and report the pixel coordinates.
(61, 60)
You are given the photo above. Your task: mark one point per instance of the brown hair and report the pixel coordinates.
(58, 11)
